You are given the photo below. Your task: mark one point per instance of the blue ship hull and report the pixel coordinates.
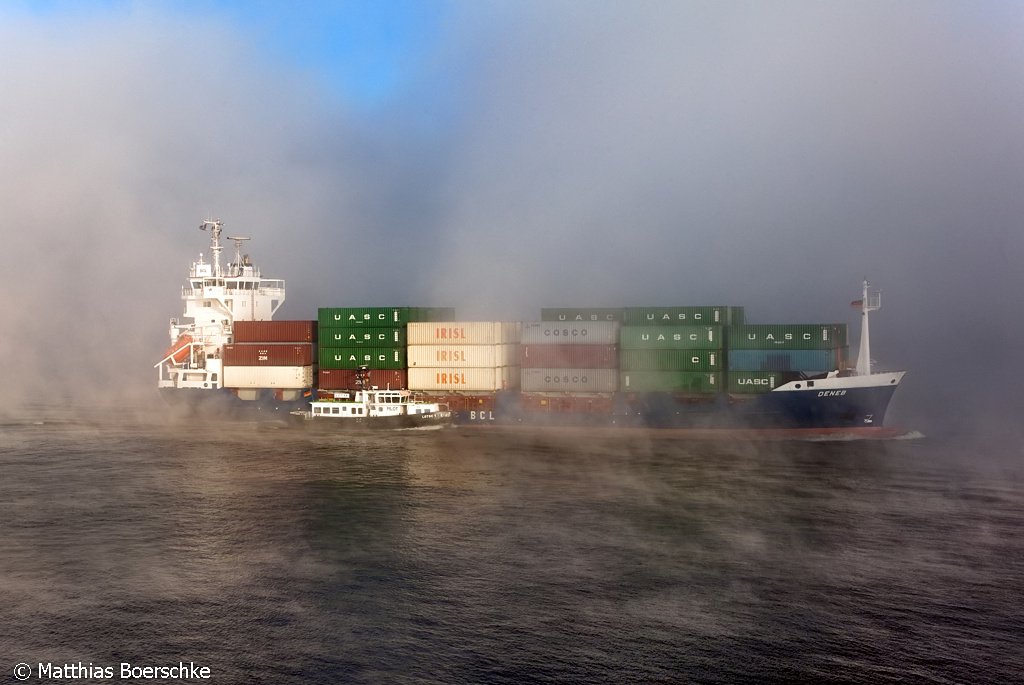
(829, 406)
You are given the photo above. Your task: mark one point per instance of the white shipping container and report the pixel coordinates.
(462, 356)
(569, 380)
(570, 333)
(268, 376)
(452, 378)
(462, 333)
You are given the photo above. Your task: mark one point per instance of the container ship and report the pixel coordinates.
(702, 369)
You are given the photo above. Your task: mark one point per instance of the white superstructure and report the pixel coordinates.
(215, 298)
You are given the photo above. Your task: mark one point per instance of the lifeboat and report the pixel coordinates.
(178, 352)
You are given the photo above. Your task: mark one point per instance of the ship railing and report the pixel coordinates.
(270, 288)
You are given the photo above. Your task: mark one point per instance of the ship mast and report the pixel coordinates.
(867, 303)
(215, 226)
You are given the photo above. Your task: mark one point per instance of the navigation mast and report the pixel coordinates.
(215, 226)
(867, 303)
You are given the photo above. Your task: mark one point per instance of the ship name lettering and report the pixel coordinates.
(831, 393)
(482, 415)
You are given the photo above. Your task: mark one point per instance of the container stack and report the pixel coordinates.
(569, 361)
(673, 350)
(463, 356)
(352, 338)
(270, 354)
(574, 357)
(763, 356)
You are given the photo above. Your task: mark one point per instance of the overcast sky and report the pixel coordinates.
(501, 157)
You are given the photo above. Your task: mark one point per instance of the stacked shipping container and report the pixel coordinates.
(270, 354)
(463, 356)
(572, 361)
(674, 349)
(569, 362)
(372, 337)
(762, 357)
(575, 356)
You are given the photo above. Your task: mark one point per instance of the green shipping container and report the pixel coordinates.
(353, 357)
(670, 337)
(824, 336)
(354, 336)
(682, 316)
(336, 317)
(695, 382)
(581, 314)
(670, 360)
(420, 314)
(748, 382)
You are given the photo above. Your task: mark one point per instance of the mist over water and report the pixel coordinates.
(497, 556)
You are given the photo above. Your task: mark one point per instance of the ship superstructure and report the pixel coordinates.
(215, 297)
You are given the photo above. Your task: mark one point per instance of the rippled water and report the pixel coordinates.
(489, 557)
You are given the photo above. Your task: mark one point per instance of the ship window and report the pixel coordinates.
(810, 384)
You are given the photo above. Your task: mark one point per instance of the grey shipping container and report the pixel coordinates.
(569, 380)
(575, 333)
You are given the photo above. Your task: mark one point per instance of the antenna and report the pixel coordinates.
(215, 226)
(239, 239)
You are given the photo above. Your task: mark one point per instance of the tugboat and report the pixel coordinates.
(371, 407)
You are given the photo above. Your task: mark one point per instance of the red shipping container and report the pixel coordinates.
(269, 354)
(345, 379)
(457, 402)
(569, 356)
(275, 331)
(596, 404)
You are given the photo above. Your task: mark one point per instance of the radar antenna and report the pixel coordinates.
(239, 239)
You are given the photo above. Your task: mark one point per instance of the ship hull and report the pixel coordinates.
(225, 404)
(438, 419)
(829, 405)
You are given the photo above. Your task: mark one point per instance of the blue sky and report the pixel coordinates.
(365, 50)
